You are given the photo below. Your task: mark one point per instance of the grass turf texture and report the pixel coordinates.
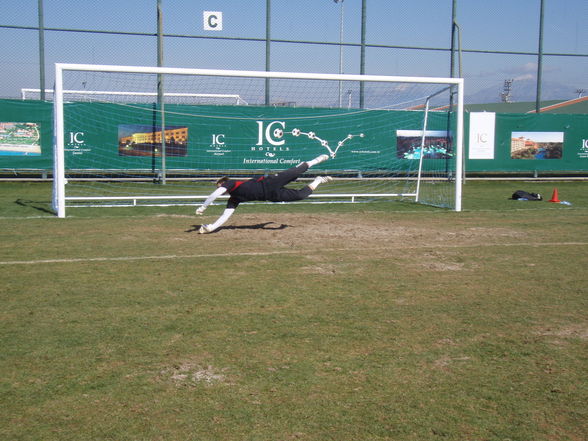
(325, 322)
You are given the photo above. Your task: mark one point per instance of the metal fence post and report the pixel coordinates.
(41, 49)
(362, 55)
(268, 20)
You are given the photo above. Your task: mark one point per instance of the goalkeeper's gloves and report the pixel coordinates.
(220, 221)
(200, 210)
(206, 229)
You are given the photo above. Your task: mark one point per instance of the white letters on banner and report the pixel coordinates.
(268, 132)
(482, 125)
(76, 137)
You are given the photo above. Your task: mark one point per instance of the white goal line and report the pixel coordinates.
(295, 251)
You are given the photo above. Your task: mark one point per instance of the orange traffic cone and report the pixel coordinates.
(554, 197)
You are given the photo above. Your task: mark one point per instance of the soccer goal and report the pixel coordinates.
(138, 142)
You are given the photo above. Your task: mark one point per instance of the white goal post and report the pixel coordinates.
(364, 168)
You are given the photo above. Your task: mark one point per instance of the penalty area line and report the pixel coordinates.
(283, 252)
(131, 258)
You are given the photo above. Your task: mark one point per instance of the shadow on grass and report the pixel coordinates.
(263, 226)
(42, 206)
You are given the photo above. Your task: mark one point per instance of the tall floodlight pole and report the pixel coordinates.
(340, 50)
(539, 59)
(160, 89)
(362, 54)
(41, 49)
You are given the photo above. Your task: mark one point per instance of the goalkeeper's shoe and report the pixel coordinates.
(324, 179)
(321, 158)
(205, 229)
(317, 160)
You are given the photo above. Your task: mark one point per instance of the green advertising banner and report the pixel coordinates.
(109, 136)
(26, 135)
(106, 136)
(527, 142)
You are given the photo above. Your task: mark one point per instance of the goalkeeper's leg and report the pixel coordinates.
(319, 180)
(290, 194)
(317, 160)
(285, 177)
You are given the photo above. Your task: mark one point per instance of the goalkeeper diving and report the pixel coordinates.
(264, 188)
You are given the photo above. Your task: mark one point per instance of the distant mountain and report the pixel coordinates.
(523, 91)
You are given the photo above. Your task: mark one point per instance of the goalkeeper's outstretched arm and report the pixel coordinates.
(210, 199)
(220, 221)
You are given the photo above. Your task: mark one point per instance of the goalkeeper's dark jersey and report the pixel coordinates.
(267, 188)
(244, 191)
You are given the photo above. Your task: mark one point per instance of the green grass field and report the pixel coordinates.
(380, 321)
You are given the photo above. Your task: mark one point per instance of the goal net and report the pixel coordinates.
(148, 97)
(145, 137)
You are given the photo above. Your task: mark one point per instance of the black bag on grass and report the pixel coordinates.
(526, 196)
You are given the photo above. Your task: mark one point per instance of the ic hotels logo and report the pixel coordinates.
(583, 152)
(218, 140)
(76, 143)
(218, 145)
(76, 138)
(271, 133)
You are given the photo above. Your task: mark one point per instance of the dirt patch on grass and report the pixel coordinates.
(190, 373)
(445, 362)
(579, 331)
(351, 230)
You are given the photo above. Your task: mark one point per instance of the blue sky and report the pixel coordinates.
(486, 25)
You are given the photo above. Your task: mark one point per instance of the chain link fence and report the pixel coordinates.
(497, 43)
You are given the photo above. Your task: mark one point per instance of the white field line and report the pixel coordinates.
(284, 252)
